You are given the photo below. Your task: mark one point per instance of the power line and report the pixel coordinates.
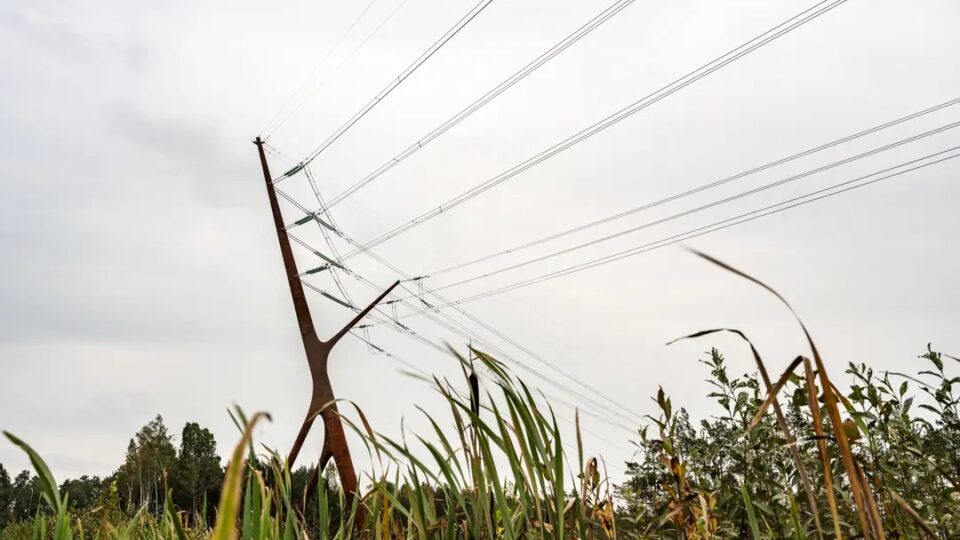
(491, 94)
(402, 329)
(397, 327)
(718, 202)
(515, 344)
(463, 331)
(389, 354)
(436, 46)
(476, 320)
(699, 73)
(549, 399)
(700, 231)
(342, 63)
(695, 190)
(326, 237)
(316, 68)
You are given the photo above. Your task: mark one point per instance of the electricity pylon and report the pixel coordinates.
(322, 400)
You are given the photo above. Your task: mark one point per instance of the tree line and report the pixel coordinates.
(193, 472)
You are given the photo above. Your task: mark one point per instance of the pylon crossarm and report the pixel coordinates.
(343, 331)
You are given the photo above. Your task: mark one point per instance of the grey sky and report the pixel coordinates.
(141, 274)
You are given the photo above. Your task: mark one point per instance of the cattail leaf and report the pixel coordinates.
(772, 395)
(48, 486)
(225, 528)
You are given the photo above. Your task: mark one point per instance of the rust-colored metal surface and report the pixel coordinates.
(318, 354)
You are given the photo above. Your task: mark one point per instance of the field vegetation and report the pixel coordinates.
(790, 457)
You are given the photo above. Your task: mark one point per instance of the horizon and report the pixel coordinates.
(143, 276)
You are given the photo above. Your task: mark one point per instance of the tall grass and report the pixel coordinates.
(494, 465)
(503, 474)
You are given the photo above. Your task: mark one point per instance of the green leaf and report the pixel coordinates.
(225, 528)
(51, 493)
(751, 516)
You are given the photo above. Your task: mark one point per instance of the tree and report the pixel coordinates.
(329, 484)
(128, 476)
(198, 471)
(83, 492)
(6, 503)
(109, 502)
(24, 496)
(149, 455)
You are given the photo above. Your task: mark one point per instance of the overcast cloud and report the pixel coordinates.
(141, 274)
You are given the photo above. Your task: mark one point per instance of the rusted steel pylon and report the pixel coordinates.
(318, 353)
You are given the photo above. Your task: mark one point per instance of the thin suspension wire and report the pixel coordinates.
(713, 227)
(673, 87)
(346, 295)
(326, 236)
(712, 204)
(476, 320)
(466, 333)
(489, 96)
(340, 65)
(396, 326)
(316, 68)
(458, 329)
(388, 354)
(400, 328)
(411, 333)
(695, 190)
(513, 343)
(403, 329)
(436, 46)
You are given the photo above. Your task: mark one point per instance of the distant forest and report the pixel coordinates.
(194, 473)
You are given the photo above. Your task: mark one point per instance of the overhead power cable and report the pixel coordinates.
(436, 46)
(671, 88)
(712, 204)
(388, 354)
(709, 68)
(550, 399)
(473, 318)
(488, 327)
(693, 191)
(452, 326)
(788, 204)
(619, 409)
(385, 320)
(316, 68)
(398, 327)
(489, 96)
(336, 69)
(332, 264)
